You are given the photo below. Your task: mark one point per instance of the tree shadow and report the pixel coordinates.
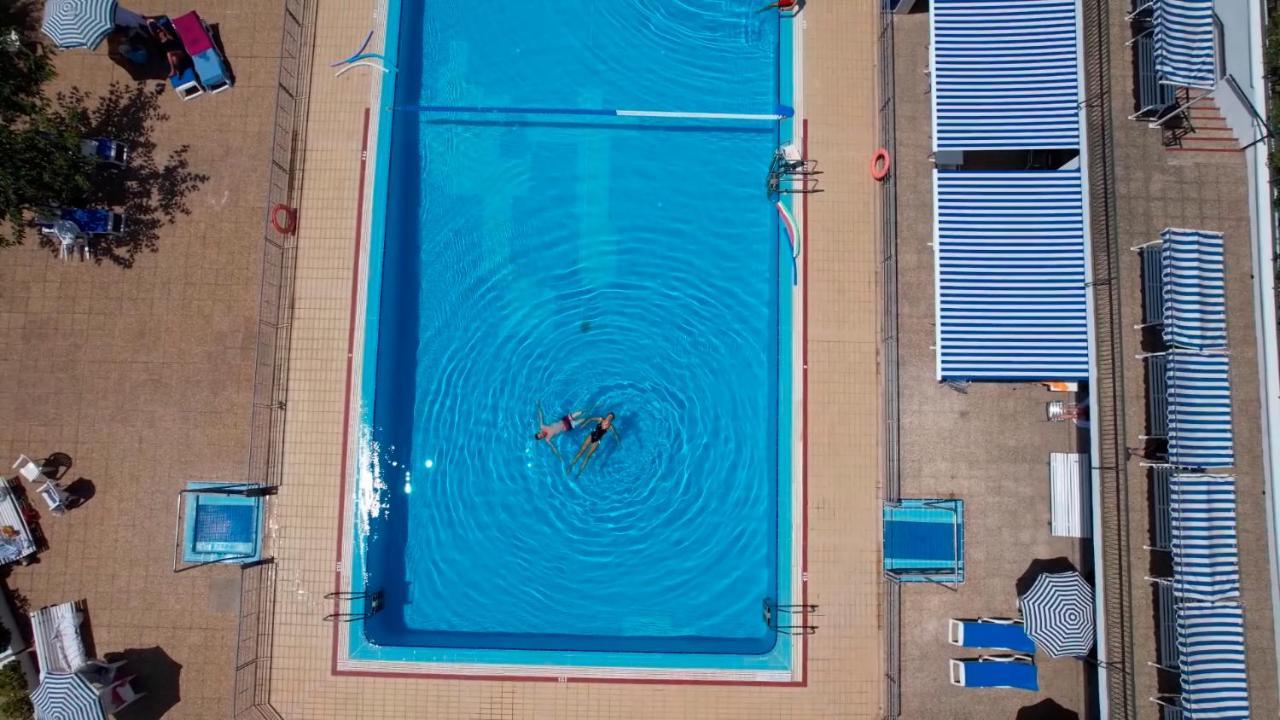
(21, 15)
(150, 191)
(158, 675)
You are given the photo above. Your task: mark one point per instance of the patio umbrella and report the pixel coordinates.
(1057, 613)
(66, 696)
(78, 23)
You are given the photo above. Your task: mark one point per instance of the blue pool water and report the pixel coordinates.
(616, 264)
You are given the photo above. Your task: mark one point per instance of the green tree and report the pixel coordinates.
(14, 701)
(40, 161)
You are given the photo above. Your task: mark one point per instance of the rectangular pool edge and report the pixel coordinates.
(792, 589)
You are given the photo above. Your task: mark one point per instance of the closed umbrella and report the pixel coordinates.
(78, 23)
(66, 696)
(1057, 613)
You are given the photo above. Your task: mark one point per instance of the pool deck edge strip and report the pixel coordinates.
(346, 401)
(804, 420)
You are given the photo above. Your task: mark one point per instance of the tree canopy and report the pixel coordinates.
(41, 165)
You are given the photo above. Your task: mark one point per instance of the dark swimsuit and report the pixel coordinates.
(567, 422)
(597, 433)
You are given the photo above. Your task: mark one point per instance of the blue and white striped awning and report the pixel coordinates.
(78, 23)
(1195, 301)
(1185, 43)
(1199, 393)
(1202, 509)
(1005, 74)
(1010, 276)
(1212, 659)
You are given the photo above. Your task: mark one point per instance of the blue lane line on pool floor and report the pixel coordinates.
(782, 112)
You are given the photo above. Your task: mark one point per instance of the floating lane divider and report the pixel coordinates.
(782, 112)
(794, 236)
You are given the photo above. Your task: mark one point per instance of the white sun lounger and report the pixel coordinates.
(59, 646)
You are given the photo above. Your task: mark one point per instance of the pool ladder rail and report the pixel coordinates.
(772, 612)
(373, 603)
(789, 173)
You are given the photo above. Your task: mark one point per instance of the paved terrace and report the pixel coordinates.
(143, 376)
(989, 447)
(1155, 189)
(844, 661)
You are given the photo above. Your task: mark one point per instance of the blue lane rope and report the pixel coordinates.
(782, 112)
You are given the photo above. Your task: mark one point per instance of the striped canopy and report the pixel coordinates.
(78, 23)
(1199, 406)
(1057, 613)
(1185, 43)
(66, 696)
(1010, 276)
(1195, 304)
(1211, 652)
(1202, 510)
(1005, 74)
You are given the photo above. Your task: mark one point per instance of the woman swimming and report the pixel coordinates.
(546, 432)
(603, 426)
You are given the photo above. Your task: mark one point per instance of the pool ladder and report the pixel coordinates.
(771, 613)
(373, 603)
(789, 173)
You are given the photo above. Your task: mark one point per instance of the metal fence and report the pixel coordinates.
(252, 694)
(889, 349)
(1108, 408)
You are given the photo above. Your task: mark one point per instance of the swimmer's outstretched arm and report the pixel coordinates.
(554, 449)
(540, 421)
(616, 434)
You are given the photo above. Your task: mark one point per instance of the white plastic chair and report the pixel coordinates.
(119, 695)
(28, 468)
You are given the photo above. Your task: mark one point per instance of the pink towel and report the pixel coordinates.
(192, 33)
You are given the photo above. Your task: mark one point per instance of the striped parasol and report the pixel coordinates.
(78, 23)
(66, 696)
(1057, 613)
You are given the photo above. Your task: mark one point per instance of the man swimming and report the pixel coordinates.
(546, 432)
(603, 426)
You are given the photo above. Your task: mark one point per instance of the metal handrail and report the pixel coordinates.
(1259, 120)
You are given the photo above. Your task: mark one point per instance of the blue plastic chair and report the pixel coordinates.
(94, 221)
(1016, 672)
(994, 633)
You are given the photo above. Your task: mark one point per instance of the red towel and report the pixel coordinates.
(192, 33)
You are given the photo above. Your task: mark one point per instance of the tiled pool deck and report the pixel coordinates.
(844, 657)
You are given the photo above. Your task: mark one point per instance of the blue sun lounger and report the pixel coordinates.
(994, 633)
(1016, 672)
(210, 66)
(94, 221)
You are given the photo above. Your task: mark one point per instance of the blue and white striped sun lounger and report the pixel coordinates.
(1010, 276)
(1211, 648)
(1199, 410)
(1016, 672)
(1005, 74)
(1185, 43)
(993, 633)
(1202, 510)
(1195, 305)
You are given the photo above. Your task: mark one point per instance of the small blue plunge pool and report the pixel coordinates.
(533, 247)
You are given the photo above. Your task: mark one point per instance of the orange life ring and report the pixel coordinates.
(880, 164)
(283, 218)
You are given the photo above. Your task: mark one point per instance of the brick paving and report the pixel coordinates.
(143, 375)
(989, 447)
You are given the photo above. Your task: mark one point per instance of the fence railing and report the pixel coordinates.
(252, 693)
(1108, 407)
(889, 347)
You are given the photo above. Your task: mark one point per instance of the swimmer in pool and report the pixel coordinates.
(546, 432)
(603, 426)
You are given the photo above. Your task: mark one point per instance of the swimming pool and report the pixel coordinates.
(531, 246)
